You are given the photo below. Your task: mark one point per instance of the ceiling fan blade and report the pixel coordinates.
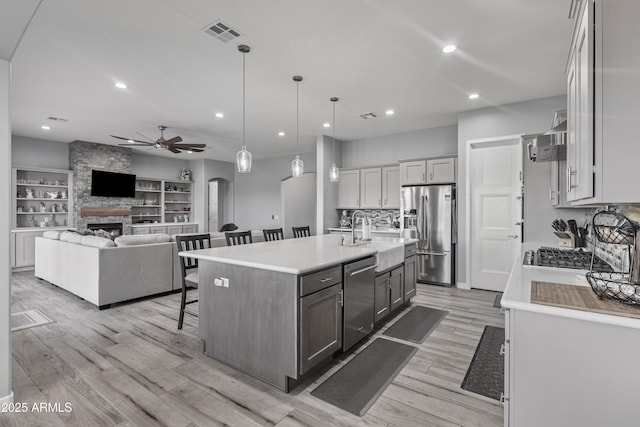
(187, 146)
(197, 150)
(128, 139)
(144, 136)
(136, 145)
(173, 140)
(173, 150)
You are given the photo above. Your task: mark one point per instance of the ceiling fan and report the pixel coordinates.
(168, 144)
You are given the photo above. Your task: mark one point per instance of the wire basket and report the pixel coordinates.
(613, 228)
(615, 286)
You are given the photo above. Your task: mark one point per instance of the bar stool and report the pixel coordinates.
(238, 237)
(301, 231)
(272, 234)
(189, 267)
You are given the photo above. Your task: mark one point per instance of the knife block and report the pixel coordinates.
(567, 242)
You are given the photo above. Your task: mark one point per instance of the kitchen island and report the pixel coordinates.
(275, 310)
(567, 366)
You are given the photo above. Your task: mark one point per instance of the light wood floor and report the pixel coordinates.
(129, 366)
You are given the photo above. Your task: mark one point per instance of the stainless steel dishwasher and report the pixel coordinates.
(358, 315)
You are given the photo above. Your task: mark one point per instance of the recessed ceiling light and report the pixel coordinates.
(219, 115)
(389, 112)
(449, 48)
(474, 96)
(326, 125)
(280, 133)
(120, 85)
(45, 127)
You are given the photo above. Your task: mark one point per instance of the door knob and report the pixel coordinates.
(515, 236)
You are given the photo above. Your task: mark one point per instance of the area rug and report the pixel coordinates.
(28, 319)
(485, 375)
(417, 324)
(358, 384)
(496, 302)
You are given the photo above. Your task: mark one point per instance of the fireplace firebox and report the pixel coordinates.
(113, 228)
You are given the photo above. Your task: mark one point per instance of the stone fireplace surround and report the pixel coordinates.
(83, 158)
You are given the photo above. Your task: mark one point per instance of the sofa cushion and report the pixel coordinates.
(97, 242)
(51, 234)
(70, 236)
(141, 239)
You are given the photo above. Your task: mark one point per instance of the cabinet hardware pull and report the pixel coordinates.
(502, 349)
(514, 236)
(423, 177)
(341, 301)
(321, 350)
(384, 309)
(325, 280)
(399, 299)
(362, 270)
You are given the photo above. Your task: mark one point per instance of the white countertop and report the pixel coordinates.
(517, 294)
(295, 256)
(386, 230)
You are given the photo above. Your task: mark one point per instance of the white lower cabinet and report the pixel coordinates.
(24, 248)
(168, 228)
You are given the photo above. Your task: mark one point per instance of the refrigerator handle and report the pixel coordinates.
(424, 200)
(419, 214)
(454, 222)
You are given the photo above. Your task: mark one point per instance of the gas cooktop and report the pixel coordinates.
(565, 258)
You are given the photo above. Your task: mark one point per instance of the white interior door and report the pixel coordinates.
(496, 212)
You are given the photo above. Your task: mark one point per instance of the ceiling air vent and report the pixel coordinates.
(57, 119)
(221, 31)
(368, 115)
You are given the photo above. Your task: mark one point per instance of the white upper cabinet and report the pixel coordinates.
(391, 187)
(371, 188)
(428, 171)
(603, 102)
(413, 173)
(349, 189)
(441, 170)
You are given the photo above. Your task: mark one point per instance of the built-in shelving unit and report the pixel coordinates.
(177, 201)
(161, 201)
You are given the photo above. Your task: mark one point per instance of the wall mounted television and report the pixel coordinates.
(112, 184)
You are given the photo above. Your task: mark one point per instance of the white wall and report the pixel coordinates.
(5, 225)
(401, 146)
(257, 194)
(202, 171)
(533, 116)
(39, 153)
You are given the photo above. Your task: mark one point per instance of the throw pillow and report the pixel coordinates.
(97, 242)
(51, 234)
(70, 236)
(141, 239)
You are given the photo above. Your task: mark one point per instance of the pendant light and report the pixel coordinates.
(297, 165)
(243, 157)
(334, 172)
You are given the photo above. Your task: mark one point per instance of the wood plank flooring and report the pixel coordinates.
(130, 366)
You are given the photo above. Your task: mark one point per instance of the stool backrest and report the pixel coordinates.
(191, 242)
(238, 237)
(301, 231)
(273, 234)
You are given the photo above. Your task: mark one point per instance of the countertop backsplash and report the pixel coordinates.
(377, 216)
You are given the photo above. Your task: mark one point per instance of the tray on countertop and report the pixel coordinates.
(578, 298)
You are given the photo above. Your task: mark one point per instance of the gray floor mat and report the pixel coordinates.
(417, 324)
(357, 385)
(485, 375)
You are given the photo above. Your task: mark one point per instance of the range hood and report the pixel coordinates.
(551, 145)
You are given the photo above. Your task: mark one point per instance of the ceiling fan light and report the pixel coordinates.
(243, 160)
(334, 173)
(297, 167)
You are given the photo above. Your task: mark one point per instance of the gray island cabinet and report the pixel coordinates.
(274, 310)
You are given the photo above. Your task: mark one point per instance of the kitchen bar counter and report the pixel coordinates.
(566, 367)
(294, 256)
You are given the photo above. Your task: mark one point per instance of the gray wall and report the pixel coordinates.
(401, 146)
(5, 225)
(257, 194)
(39, 153)
(298, 203)
(148, 166)
(327, 191)
(512, 119)
(202, 171)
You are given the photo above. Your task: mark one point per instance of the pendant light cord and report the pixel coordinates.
(334, 131)
(298, 117)
(244, 78)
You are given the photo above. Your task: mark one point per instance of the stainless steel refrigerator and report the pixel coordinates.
(428, 213)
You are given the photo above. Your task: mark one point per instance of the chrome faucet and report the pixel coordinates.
(353, 224)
